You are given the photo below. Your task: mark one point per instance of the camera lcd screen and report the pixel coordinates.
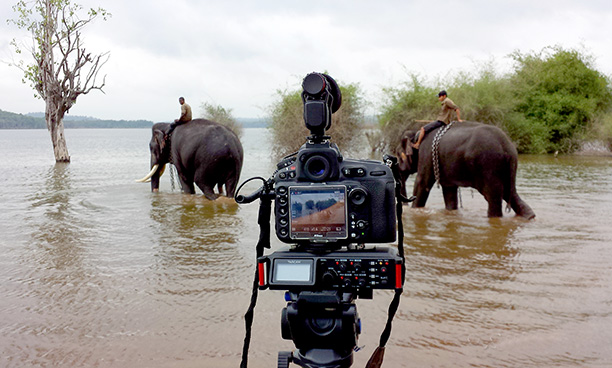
(318, 212)
(293, 271)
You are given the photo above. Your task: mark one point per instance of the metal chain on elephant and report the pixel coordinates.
(172, 169)
(435, 148)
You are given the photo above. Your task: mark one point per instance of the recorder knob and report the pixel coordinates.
(330, 277)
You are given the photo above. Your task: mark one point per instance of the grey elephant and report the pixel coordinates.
(470, 155)
(204, 152)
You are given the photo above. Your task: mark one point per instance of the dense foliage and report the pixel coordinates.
(552, 101)
(289, 131)
(219, 114)
(559, 93)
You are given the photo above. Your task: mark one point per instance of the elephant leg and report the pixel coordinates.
(403, 179)
(494, 198)
(187, 186)
(186, 182)
(422, 188)
(450, 197)
(209, 192)
(208, 189)
(520, 207)
(230, 185)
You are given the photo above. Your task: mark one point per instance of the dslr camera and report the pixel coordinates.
(323, 200)
(328, 208)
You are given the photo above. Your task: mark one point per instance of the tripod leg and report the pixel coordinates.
(284, 358)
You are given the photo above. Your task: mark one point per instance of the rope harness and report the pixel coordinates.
(435, 151)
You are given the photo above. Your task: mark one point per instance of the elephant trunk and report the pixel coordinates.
(155, 178)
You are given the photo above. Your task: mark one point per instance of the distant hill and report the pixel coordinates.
(9, 120)
(67, 117)
(253, 122)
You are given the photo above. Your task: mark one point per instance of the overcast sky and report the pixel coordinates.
(239, 53)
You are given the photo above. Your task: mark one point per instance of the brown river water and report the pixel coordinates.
(97, 271)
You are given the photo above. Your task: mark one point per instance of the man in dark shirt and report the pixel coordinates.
(184, 118)
(448, 106)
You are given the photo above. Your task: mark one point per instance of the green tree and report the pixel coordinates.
(289, 131)
(485, 95)
(222, 116)
(407, 107)
(62, 69)
(558, 94)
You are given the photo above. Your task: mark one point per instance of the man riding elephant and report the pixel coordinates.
(184, 118)
(444, 118)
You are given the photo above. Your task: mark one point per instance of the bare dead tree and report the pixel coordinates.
(62, 69)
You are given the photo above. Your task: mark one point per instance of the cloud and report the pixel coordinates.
(238, 53)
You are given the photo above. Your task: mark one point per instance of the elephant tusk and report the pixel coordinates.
(149, 175)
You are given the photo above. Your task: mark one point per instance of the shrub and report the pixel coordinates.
(289, 131)
(222, 116)
(559, 91)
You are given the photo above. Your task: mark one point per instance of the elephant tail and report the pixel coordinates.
(520, 207)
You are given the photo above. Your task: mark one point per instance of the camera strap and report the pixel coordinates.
(376, 359)
(263, 219)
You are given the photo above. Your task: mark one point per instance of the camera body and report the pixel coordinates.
(322, 200)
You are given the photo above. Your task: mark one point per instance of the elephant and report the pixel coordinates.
(204, 152)
(471, 154)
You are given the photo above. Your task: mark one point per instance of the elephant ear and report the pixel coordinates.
(404, 153)
(160, 138)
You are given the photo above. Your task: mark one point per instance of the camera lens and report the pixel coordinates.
(316, 168)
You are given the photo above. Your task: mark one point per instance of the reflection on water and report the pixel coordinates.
(98, 271)
(195, 235)
(60, 232)
(195, 220)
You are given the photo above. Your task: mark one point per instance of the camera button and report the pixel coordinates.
(282, 175)
(377, 173)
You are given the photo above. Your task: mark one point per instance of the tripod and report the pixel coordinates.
(324, 326)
